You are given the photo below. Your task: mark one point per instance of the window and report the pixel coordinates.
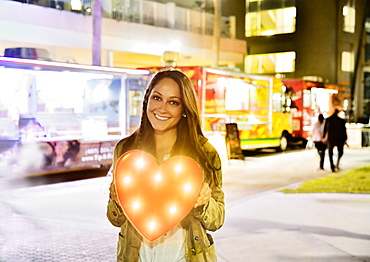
(270, 17)
(270, 63)
(349, 14)
(347, 61)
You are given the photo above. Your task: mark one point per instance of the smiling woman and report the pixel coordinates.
(170, 127)
(165, 109)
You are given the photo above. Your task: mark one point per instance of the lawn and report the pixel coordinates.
(356, 180)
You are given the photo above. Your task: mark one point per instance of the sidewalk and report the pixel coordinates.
(66, 222)
(296, 227)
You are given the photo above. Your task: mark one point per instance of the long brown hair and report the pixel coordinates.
(188, 129)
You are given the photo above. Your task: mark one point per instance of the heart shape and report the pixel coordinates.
(155, 198)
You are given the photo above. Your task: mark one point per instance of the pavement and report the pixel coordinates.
(66, 222)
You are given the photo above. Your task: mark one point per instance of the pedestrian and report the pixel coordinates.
(318, 139)
(170, 126)
(335, 135)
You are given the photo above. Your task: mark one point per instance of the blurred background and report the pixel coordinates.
(73, 73)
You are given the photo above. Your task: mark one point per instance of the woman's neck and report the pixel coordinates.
(164, 143)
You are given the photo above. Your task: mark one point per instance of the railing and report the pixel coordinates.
(146, 12)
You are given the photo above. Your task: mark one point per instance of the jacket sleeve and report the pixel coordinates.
(212, 214)
(115, 213)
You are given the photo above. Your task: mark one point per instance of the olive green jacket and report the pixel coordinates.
(209, 217)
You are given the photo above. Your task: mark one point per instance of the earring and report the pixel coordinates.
(184, 115)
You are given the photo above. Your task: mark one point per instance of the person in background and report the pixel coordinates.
(318, 139)
(170, 126)
(335, 135)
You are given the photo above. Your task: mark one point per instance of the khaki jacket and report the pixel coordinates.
(210, 217)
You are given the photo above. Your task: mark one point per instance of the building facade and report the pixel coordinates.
(134, 33)
(323, 41)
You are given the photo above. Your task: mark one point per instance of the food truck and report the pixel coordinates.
(268, 112)
(60, 116)
(311, 98)
(256, 104)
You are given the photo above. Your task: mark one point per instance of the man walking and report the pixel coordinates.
(335, 133)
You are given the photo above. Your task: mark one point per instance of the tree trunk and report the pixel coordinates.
(96, 45)
(216, 32)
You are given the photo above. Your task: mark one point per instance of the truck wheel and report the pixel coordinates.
(283, 143)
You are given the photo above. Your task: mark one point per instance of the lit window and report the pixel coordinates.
(349, 14)
(347, 61)
(270, 17)
(270, 63)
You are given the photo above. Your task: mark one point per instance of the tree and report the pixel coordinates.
(216, 32)
(96, 45)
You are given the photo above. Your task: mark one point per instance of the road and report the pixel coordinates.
(67, 220)
(261, 171)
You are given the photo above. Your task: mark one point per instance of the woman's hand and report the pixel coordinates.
(204, 195)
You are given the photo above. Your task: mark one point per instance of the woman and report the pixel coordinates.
(170, 126)
(318, 139)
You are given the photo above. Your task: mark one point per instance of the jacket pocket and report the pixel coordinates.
(125, 251)
(209, 255)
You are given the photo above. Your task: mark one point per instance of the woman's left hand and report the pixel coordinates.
(204, 195)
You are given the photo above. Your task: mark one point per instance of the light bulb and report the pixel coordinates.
(127, 180)
(158, 177)
(173, 210)
(152, 225)
(140, 163)
(136, 205)
(178, 168)
(187, 187)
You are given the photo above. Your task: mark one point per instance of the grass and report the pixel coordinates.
(356, 180)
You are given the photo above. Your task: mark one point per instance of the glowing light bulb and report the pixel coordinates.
(158, 177)
(127, 180)
(136, 205)
(152, 225)
(187, 187)
(178, 168)
(173, 210)
(140, 163)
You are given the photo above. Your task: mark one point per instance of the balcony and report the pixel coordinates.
(146, 12)
(128, 27)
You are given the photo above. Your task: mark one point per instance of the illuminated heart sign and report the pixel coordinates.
(156, 198)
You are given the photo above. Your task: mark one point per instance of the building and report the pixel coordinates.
(134, 33)
(324, 41)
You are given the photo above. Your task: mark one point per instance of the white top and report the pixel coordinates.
(318, 131)
(168, 248)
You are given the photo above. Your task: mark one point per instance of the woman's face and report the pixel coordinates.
(165, 108)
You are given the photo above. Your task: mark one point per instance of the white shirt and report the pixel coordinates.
(168, 248)
(318, 131)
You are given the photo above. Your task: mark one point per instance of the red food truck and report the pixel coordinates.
(268, 112)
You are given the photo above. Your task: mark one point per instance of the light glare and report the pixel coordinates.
(140, 163)
(173, 210)
(158, 177)
(187, 187)
(152, 225)
(178, 168)
(136, 205)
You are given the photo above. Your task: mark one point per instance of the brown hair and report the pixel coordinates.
(188, 129)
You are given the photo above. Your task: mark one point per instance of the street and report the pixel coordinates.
(66, 221)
